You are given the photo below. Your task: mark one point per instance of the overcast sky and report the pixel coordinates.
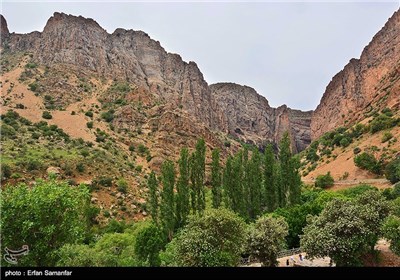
(287, 51)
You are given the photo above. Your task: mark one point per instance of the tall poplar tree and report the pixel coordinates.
(269, 180)
(198, 162)
(153, 199)
(167, 216)
(182, 189)
(216, 179)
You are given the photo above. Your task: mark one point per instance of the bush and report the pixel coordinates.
(324, 181)
(73, 113)
(104, 181)
(368, 162)
(345, 142)
(33, 86)
(132, 148)
(392, 171)
(108, 116)
(142, 148)
(89, 114)
(5, 171)
(80, 167)
(89, 125)
(47, 115)
(387, 136)
(122, 185)
(381, 122)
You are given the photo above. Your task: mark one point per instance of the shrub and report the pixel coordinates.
(324, 181)
(47, 115)
(345, 142)
(80, 167)
(227, 143)
(392, 171)
(73, 113)
(122, 185)
(108, 116)
(5, 171)
(89, 125)
(132, 148)
(381, 122)
(105, 181)
(33, 86)
(368, 162)
(89, 114)
(387, 136)
(142, 148)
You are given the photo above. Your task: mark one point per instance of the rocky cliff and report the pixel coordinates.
(365, 85)
(160, 80)
(251, 119)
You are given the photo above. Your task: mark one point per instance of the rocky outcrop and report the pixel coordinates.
(364, 85)
(3, 28)
(125, 55)
(251, 119)
(163, 80)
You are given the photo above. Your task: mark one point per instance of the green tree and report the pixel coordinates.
(368, 162)
(238, 196)
(254, 184)
(214, 239)
(198, 163)
(290, 181)
(167, 205)
(44, 217)
(216, 180)
(266, 238)
(324, 181)
(270, 195)
(152, 184)
(391, 231)
(345, 230)
(392, 171)
(183, 190)
(149, 242)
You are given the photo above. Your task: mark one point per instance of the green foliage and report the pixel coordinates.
(214, 239)
(149, 242)
(47, 115)
(103, 181)
(167, 213)
(344, 142)
(29, 215)
(183, 189)
(89, 125)
(31, 65)
(253, 185)
(216, 180)
(122, 185)
(108, 116)
(131, 148)
(345, 230)
(382, 122)
(152, 184)
(368, 162)
(89, 114)
(290, 181)
(270, 178)
(357, 190)
(266, 238)
(5, 171)
(386, 136)
(142, 149)
(33, 86)
(324, 181)
(80, 167)
(197, 176)
(391, 231)
(392, 171)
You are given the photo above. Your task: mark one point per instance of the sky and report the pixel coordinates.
(288, 50)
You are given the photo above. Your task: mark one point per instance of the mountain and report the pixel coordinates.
(70, 44)
(365, 85)
(252, 119)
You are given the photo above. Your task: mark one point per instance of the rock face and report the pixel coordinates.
(251, 119)
(127, 55)
(81, 44)
(364, 85)
(3, 28)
